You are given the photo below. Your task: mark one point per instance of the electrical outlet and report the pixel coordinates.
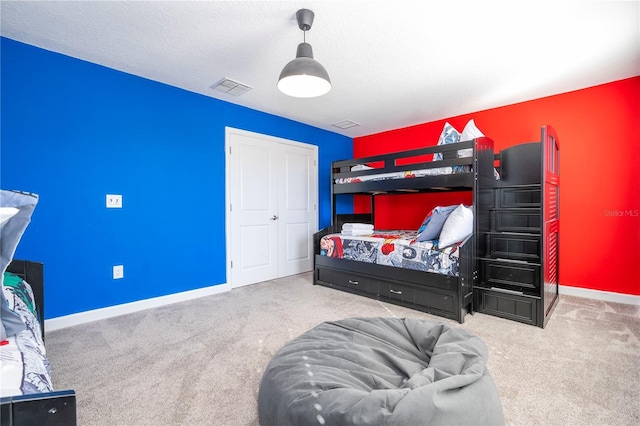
(118, 272)
(114, 201)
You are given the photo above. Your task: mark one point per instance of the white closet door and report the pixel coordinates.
(254, 203)
(296, 209)
(272, 200)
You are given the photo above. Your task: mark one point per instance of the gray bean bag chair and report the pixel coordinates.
(380, 371)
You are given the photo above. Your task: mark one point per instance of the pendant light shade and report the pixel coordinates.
(304, 77)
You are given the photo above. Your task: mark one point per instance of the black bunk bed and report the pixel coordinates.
(444, 295)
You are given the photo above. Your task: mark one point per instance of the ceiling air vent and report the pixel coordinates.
(231, 87)
(345, 124)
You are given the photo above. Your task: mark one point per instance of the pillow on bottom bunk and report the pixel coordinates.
(433, 223)
(457, 227)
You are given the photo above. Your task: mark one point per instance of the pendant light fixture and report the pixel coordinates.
(304, 77)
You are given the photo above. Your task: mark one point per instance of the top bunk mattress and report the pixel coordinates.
(408, 174)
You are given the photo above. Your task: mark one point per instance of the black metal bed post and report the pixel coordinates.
(373, 209)
(334, 214)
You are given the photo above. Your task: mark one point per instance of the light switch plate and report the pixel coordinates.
(118, 272)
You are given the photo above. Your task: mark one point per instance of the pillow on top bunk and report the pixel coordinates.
(449, 135)
(433, 223)
(11, 232)
(457, 227)
(469, 132)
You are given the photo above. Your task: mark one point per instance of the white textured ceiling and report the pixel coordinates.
(392, 63)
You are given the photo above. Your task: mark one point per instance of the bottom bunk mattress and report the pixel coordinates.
(394, 248)
(24, 368)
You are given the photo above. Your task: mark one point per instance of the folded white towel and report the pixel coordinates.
(359, 167)
(349, 226)
(356, 232)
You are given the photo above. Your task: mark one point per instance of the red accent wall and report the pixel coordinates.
(599, 133)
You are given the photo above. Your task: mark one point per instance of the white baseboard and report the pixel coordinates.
(128, 308)
(606, 296)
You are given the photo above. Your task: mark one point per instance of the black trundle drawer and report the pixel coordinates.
(519, 197)
(436, 301)
(514, 246)
(509, 274)
(510, 305)
(400, 292)
(423, 298)
(521, 220)
(348, 280)
(404, 287)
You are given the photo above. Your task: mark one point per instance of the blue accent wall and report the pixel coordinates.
(73, 131)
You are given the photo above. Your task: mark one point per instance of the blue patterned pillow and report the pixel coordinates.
(449, 135)
(433, 223)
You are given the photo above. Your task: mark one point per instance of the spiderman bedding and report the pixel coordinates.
(393, 248)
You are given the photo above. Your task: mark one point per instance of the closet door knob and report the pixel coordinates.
(274, 217)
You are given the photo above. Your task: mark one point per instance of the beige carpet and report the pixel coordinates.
(200, 362)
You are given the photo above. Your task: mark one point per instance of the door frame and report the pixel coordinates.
(227, 204)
